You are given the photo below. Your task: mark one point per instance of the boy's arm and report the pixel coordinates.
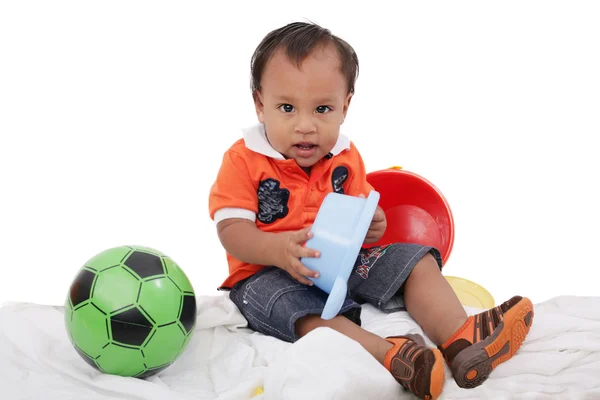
(241, 238)
(244, 241)
(359, 186)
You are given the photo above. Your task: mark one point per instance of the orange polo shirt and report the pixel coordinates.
(256, 182)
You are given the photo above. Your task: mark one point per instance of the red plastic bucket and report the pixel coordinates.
(416, 211)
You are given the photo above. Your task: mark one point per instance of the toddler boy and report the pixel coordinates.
(267, 193)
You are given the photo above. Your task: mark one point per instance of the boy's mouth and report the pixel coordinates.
(305, 149)
(305, 145)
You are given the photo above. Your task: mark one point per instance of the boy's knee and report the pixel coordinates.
(427, 264)
(308, 323)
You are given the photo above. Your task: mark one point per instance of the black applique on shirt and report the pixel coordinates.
(272, 201)
(339, 176)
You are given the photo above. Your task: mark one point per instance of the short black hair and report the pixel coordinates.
(299, 39)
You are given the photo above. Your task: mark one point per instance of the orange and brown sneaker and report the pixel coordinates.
(487, 340)
(418, 368)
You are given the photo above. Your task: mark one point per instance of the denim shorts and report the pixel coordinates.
(272, 301)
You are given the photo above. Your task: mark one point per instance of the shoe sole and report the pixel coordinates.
(472, 366)
(436, 379)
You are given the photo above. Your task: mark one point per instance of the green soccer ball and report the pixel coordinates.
(130, 311)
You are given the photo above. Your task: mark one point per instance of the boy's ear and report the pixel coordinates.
(259, 106)
(346, 105)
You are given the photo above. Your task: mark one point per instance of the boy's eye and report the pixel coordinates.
(323, 109)
(286, 108)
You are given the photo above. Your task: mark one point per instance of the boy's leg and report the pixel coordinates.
(473, 346)
(374, 344)
(431, 301)
(416, 367)
(276, 304)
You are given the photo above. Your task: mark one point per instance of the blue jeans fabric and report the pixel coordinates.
(272, 301)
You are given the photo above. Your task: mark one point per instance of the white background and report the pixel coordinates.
(114, 116)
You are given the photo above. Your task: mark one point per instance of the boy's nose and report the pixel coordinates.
(305, 124)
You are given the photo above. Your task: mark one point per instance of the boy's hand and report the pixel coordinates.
(291, 250)
(377, 227)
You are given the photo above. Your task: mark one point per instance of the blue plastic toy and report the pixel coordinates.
(339, 230)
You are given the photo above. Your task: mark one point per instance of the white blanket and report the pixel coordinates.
(559, 359)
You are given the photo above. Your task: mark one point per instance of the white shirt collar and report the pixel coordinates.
(256, 140)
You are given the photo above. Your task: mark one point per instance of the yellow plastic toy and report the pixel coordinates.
(470, 293)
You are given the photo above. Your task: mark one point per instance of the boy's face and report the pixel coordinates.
(302, 109)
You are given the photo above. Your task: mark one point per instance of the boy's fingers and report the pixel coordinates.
(303, 270)
(297, 276)
(306, 252)
(373, 235)
(379, 215)
(301, 278)
(303, 235)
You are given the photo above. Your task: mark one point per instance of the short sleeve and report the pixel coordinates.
(233, 195)
(357, 182)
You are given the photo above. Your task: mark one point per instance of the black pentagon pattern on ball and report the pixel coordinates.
(152, 371)
(86, 358)
(130, 327)
(144, 264)
(82, 287)
(188, 312)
